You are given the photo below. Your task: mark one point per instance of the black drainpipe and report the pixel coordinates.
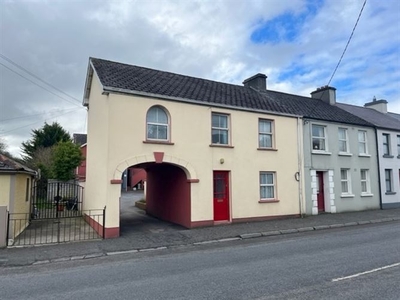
(379, 168)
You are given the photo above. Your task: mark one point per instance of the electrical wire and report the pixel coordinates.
(348, 42)
(36, 77)
(3, 133)
(40, 86)
(29, 116)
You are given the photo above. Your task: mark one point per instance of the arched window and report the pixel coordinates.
(157, 124)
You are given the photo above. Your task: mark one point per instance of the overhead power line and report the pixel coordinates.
(36, 77)
(3, 133)
(35, 115)
(348, 42)
(35, 83)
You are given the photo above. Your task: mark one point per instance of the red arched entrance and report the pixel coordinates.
(167, 193)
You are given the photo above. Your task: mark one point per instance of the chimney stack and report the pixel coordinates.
(379, 105)
(326, 94)
(258, 82)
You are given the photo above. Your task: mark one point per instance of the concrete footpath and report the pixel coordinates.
(144, 240)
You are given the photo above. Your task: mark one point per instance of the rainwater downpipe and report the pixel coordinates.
(379, 168)
(300, 164)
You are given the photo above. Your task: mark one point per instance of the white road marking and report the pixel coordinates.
(366, 272)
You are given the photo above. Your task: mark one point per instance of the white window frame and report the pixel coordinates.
(363, 142)
(227, 129)
(386, 144)
(345, 141)
(273, 185)
(261, 133)
(389, 180)
(346, 180)
(366, 181)
(398, 146)
(324, 138)
(166, 125)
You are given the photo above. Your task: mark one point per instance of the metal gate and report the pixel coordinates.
(56, 200)
(56, 217)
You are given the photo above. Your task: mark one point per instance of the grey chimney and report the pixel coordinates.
(258, 82)
(379, 105)
(326, 94)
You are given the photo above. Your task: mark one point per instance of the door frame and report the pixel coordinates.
(322, 174)
(228, 193)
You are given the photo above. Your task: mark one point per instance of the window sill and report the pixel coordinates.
(346, 196)
(267, 149)
(387, 156)
(268, 201)
(158, 142)
(364, 155)
(221, 146)
(390, 193)
(345, 154)
(367, 195)
(321, 152)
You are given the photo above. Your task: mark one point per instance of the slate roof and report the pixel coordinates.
(393, 115)
(125, 78)
(80, 138)
(375, 117)
(9, 165)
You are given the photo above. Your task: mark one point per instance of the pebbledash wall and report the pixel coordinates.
(331, 161)
(117, 129)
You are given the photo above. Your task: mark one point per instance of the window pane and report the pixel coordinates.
(219, 136)
(215, 120)
(342, 146)
(270, 178)
(361, 148)
(343, 174)
(265, 140)
(342, 134)
(318, 144)
(152, 131)
(152, 115)
(270, 192)
(345, 188)
(363, 175)
(157, 115)
(363, 187)
(263, 178)
(318, 131)
(361, 136)
(161, 132)
(264, 126)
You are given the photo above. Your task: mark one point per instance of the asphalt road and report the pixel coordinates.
(350, 263)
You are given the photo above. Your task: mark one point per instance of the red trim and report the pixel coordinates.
(158, 142)
(115, 181)
(158, 157)
(109, 233)
(206, 223)
(193, 180)
(266, 218)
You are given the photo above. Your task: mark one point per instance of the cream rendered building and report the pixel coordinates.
(213, 152)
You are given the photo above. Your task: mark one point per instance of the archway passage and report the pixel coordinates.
(167, 193)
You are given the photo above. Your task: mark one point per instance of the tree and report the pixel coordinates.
(47, 136)
(3, 146)
(66, 157)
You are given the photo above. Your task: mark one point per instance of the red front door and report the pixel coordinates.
(221, 196)
(320, 191)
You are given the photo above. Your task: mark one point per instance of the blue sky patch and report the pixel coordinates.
(285, 27)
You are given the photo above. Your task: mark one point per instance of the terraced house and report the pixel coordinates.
(387, 129)
(219, 153)
(213, 152)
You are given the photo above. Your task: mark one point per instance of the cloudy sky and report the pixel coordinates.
(45, 46)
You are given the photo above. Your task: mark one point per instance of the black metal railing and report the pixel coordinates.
(56, 200)
(24, 231)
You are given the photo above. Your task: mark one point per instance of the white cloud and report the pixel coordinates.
(209, 39)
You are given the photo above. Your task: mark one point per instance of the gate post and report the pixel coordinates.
(4, 223)
(104, 222)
